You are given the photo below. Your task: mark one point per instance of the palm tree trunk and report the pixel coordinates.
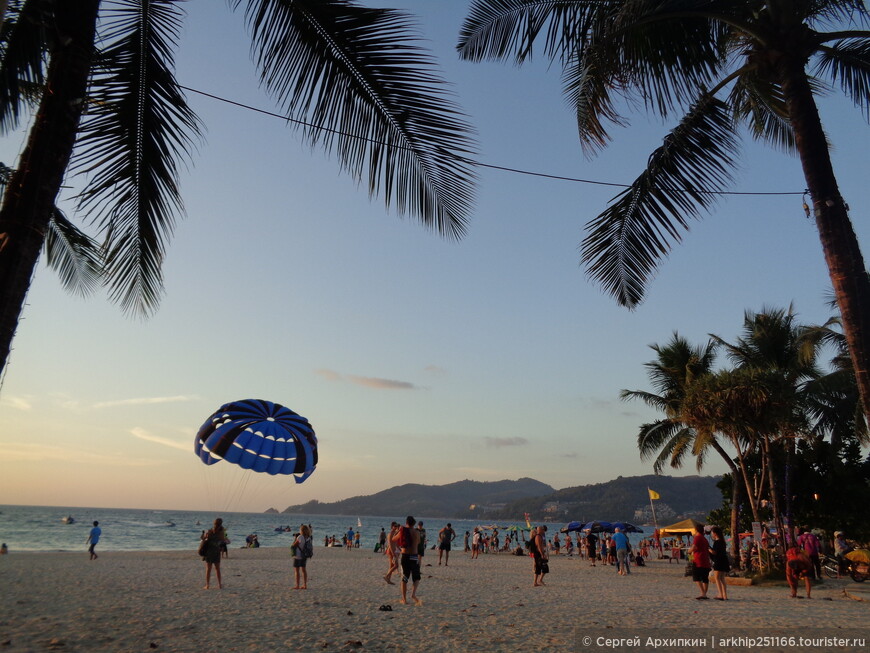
(736, 476)
(839, 243)
(34, 186)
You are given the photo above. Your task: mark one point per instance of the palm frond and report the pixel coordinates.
(848, 63)
(625, 243)
(374, 97)
(24, 40)
(667, 50)
(501, 29)
(589, 91)
(75, 256)
(138, 129)
(761, 104)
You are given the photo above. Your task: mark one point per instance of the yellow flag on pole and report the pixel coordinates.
(653, 494)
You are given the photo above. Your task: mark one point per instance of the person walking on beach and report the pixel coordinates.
(538, 549)
(212, 555)
(591, 547)
(407, 538)
(93, 539)
(445, 536)
(466, 545)
(721, 564)
(620, 543)
(302, 547)
(798, 565)
(392, 553)
(810, 543)
(700, 552)
(421, 548)
(382, 540)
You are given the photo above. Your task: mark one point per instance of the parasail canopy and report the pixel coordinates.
(261, 436)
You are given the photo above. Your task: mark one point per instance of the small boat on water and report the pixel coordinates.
(69, 519)
(169, 523)
(358, 523)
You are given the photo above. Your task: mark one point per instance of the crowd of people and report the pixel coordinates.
(405, 546)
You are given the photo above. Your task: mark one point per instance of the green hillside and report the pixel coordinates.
(619, 499)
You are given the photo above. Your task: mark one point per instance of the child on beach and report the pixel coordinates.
(93, 539)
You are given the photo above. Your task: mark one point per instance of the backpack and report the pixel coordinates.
(404, 538)
(308, 548)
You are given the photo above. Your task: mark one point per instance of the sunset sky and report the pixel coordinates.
(415, 358)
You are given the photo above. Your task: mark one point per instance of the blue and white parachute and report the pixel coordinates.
(261, 436)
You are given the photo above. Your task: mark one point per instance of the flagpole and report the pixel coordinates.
(653, 508)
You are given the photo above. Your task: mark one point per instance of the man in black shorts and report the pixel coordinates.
(408, 539)
(445, 536)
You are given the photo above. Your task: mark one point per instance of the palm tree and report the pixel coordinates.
(677, 369)
(719, 63)
(779, 357)
(109, 107)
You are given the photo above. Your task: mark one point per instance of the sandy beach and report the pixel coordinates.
(155, 601)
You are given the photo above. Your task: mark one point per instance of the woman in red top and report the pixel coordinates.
(701, 558)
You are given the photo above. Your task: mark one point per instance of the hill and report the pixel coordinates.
(461, 500)
(624, 499)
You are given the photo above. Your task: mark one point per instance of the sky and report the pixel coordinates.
(416, 359)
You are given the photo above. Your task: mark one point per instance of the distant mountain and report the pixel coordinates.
(461, 500)
(624, 499)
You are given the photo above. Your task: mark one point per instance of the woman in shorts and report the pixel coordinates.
(721, 564)
(300, 559)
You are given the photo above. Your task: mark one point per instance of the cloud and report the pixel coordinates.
(142, 434)
(329, 375)
(506, 442)
(30, 452)
(569, 455)
(381, 384)
(367, 381)
(144, 401)
(20, 403)
(434, 369)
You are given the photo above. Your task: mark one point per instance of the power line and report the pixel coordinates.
(479, 164)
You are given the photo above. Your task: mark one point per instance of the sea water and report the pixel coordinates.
(41, 528)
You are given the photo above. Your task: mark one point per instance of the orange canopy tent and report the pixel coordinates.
(685, 527)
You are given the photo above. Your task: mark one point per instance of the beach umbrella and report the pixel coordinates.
(625, 527)
(261, 436)
(570, 527)
(598, 527)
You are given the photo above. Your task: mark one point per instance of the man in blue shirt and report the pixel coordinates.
(93, 538)
(621, 540)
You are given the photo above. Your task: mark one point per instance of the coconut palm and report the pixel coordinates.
(779, 359)
(107, 105)
(679, 367)
(719, 64)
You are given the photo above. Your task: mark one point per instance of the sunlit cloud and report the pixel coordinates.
(329, 375)
(19, 402)
(31, 452)
(381, 384)
(366, 381)
(506, 442)
(142, 434)
(145, 401)
(434, 369)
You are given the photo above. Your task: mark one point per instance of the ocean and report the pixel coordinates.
(41, 528)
